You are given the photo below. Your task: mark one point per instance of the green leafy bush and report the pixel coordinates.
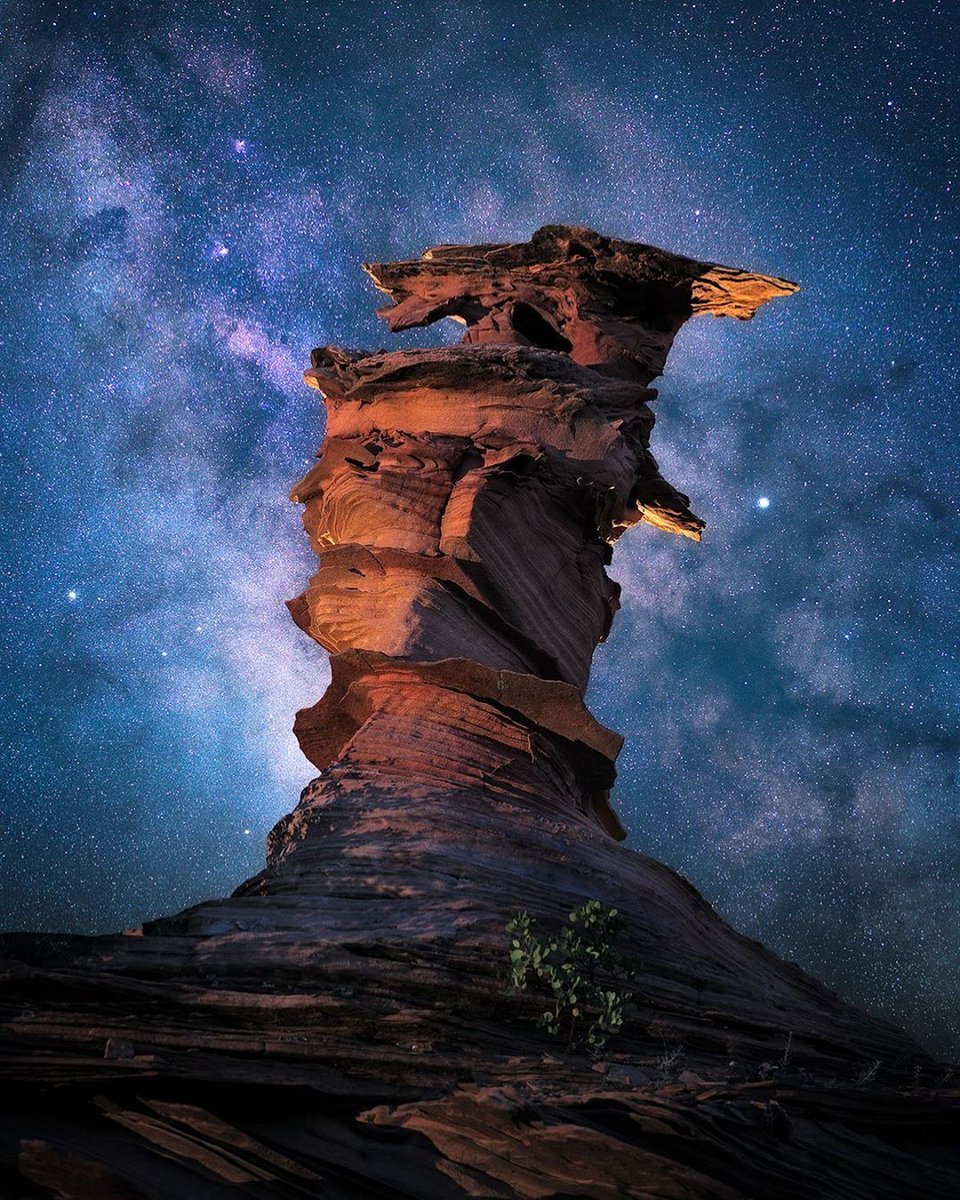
(575, 967)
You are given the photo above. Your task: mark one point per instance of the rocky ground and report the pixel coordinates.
(358, 1037)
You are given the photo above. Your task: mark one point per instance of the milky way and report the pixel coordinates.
(186, 195)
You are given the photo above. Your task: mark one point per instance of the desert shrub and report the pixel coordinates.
(579, 971)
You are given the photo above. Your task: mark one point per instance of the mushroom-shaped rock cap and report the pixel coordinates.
(611, 305)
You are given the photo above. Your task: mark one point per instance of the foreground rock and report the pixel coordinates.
(341, 1026)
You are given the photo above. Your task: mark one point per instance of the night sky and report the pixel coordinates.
(186, 196)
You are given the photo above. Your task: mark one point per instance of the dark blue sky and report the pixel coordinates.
(187, 191)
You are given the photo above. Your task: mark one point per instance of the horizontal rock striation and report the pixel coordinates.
(341, 1025)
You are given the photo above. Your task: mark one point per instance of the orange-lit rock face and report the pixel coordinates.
(465, 501)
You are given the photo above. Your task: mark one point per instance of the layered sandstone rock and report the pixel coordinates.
(341, 1026)
(465, 502)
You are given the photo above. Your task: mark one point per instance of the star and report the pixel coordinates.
(763, 502)
(73, 595)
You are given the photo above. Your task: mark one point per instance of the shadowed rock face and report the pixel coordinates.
(341, 1025)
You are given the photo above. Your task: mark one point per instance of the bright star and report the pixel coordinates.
(240, 145)
(72, 595)
(763, 502)
(220, 250)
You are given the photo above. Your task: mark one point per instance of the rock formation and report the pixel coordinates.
(464, 506)
(341, 1026)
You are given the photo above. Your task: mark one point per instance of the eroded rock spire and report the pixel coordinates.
(342, 1022)
(463, 508)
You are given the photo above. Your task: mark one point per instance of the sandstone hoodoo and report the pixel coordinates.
(465, 504)
(342, 1025)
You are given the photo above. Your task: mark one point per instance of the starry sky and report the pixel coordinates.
(186, 191)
